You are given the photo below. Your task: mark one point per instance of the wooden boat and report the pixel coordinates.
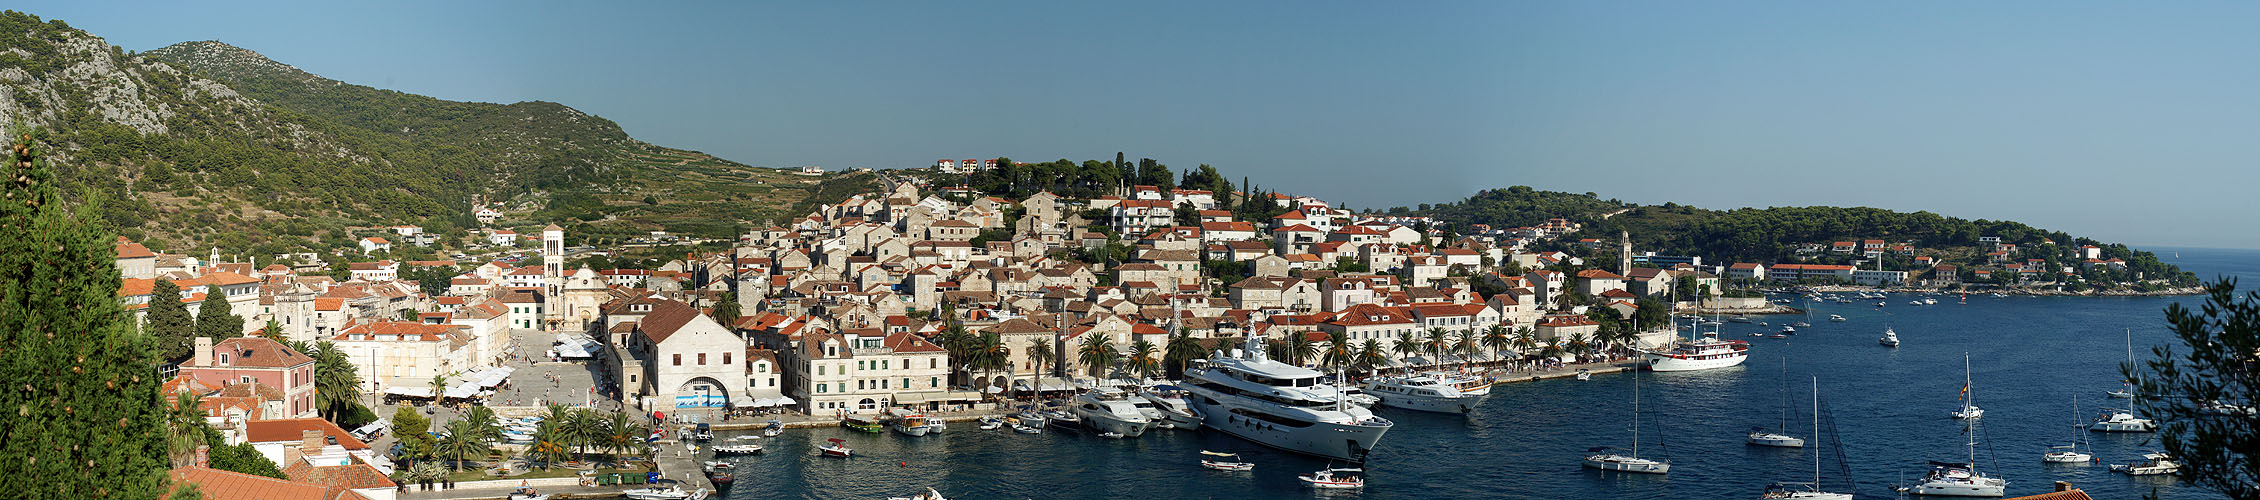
(861, 423)
(1234, 465)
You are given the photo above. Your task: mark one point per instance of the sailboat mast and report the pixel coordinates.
(1785, 396)
(1816, 432)
(1636, 414)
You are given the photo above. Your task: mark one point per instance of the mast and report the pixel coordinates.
(1969, 396)
(1636, 414)
(1816, 432)
(2129, 382)
(1785, 396)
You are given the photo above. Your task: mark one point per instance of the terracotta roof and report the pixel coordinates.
(357, 475)
(133, 287)
(666, 318)
(127, 249)
(2069, 494)
(293, 429)
(260, 352)
(223, 278)
(218, 484)
(905, 342)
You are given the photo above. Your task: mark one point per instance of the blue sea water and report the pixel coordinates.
(2030, 356)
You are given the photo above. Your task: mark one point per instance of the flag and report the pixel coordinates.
(1965, 390)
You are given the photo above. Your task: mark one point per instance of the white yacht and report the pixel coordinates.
(1279, 405)
(1890, 338)
(1782, 439)
(1436, 392)
(1705, 353)
(2070, 453)
(1958, 479)
(1604, 459)
(2152, 463)
(1110, 410)
(2118, 420)
(1812, 490)
(1170, 401)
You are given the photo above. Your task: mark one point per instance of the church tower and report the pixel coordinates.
(553, 273)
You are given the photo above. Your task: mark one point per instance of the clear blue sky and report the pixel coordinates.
(2126, 121)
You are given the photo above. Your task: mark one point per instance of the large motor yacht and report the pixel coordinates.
(1110, 410)
(1436, 392)
(1280, 405)
(1170, 401)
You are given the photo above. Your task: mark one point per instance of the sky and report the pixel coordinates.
(2124, 121)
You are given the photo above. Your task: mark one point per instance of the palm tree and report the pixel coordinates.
(1371, 356)
(1300, 348)
(1438, 341)
(336, 387)
(1338, 353)
(1408, 344)
(1579, 344)
(185, 428)
(959, 344)
(989, 355)
(1142, 359)
(1097, 352)
(622, 434)
(439, 387)
(582, 428)
(1181, 349)
(1464, 346)
(483, 419)
(464, 440)
(1040, 352)
(1525, 341)
(1497, 341)
(549, 445)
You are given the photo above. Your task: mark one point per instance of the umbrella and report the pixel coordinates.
(993, 389)
(785, 400)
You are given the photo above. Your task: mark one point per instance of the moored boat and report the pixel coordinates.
(861, 423)
(1232, 465)
(738, 449)
(835, 447)
(1330, 479)
(2152, 463)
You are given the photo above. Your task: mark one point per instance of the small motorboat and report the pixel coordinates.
(719, 473)
(774, 428)
(738, 449)
(666, 489)
(930, 494)
(1838, 318)
(1584, 375)
(1788, 330)
(2153, 463)
(1027, 429)
(1757, 334)
(991, 423)
(1777, 336)
(2117, 420)
(748, 437)
(527, 493)
(704, 432)
(834, 448)
(1890, 338)
(1330, 479)
(1233, 465)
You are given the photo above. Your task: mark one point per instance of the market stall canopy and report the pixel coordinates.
(414, 392)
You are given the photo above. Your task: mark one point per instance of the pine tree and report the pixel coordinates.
(169, 322)
(80, 415)
(213, 319)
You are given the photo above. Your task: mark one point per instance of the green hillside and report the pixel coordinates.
(204, 144)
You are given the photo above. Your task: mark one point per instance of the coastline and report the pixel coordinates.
(2036, 292)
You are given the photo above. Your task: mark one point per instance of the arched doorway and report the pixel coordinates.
(702, 392)
(867, 404)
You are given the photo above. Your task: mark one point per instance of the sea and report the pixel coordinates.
(2028, 357)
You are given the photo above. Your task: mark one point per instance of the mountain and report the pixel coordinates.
(204, 144)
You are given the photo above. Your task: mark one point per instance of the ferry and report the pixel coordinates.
(1279, 405)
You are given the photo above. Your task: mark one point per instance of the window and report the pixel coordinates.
(906, 383)
(761, 368)
(858, 385)
(819, 369)
(883, 364)
(223, 358)
(725, 358)
(820, 388)
(772, 382)
(702, 359)
(934, 382)
(678, 359)
(931, 363)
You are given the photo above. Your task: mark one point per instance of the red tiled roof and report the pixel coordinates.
(260, 352)
(292, 430)
(127, 249)
(218, 484)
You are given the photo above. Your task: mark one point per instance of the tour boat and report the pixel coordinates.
(1604, 460)
(1970, 409)
(1705, 353)
(1890, 338)
(1326, 479)
(2119, 420)
(930, 494)
(738, 449)
(834, 448)
(1249, 396)
(1110, 410)
(2070, 453)
(2152, 463)
(1812, 490)
(861, 423)
(1234, 465)
(911, 424)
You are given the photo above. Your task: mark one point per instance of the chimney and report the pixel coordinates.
(311, 441)
(203, 455)
(2063, 486)
(203, 351)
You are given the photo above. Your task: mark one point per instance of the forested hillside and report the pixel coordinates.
(203, 144)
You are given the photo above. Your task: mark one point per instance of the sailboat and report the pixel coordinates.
(1948, 479)
(1808, 321)
(1812, 490)
(1970, 410)
(2126, 388)
(2123, 420)
(2069, 453)
(1604, 460)
(1758, 435)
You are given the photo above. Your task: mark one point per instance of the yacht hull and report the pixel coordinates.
(1956, 489)
(1620, 463)
(1659, 362)
(1348, 442)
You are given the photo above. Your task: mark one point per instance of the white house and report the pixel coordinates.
(374, 244)
(689, 360)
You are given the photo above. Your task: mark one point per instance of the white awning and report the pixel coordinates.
(463, 390)
(414, 392)
(786, 400)
(993, 389)
(747, 404)
(1054, 384)
(764, 403)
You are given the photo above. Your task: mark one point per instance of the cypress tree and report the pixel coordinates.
(80, 414)
(215, 320)
(169, 322)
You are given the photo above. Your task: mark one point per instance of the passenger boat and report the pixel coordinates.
(1233, 465)
(2153, 463)
(1327, 479)
(860, 423)
(1252, 397)
(834, 448)
(911, 424)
